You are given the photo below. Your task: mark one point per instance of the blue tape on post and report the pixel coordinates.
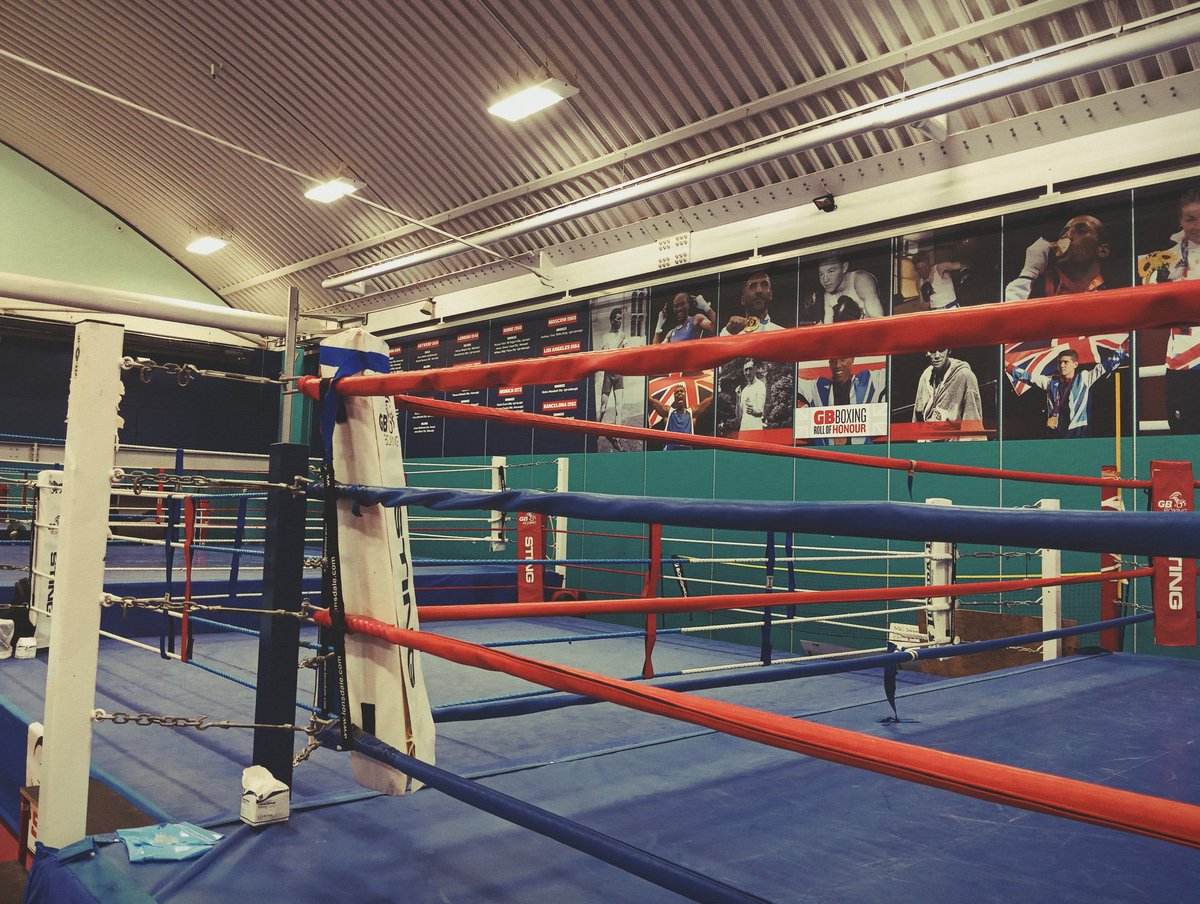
(353, 361)
(348, 361)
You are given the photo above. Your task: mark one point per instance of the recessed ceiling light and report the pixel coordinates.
(206, 244)
(328, 192)
(531, 99)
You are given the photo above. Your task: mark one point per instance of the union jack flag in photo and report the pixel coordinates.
(699, 388)
(1041, 356)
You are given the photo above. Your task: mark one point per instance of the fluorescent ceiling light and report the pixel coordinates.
(206, 244)
(530, 100)
(328, 192)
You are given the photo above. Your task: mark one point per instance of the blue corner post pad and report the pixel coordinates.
(348, 362)
(77, 875)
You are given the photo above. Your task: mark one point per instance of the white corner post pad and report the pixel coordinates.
(1052, 595)
(47, 517)
(386, 684)
(92, 421)
(939, 570)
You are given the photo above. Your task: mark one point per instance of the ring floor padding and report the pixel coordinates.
(778, 825)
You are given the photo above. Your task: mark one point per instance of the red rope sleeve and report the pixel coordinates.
(1140, 814)
(1119, 310)
(751, 600)
(438, 408)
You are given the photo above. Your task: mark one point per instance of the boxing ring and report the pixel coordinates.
(730, 789)
(776, 825)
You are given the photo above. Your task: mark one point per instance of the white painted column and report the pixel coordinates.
(1051, 596)
(89, 456)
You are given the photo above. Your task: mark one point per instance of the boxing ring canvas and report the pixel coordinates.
(776, 825)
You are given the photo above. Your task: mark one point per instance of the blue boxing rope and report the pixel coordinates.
(519, 706)
(1135, 533)
(648, 866)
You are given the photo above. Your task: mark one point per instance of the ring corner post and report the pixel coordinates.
(1111, 639)
(1051, 594)
(89, 457)
(279, 636)
(939, 571)
(1174, 582)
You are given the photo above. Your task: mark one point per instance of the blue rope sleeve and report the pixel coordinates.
(663, 873)
(1137, 533)
(467, 712)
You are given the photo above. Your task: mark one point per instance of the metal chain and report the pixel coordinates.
(200, 723)
(144, 481)
(184, 374)
(315, 725)
(999, 555)
(167, 603)
(313, 662)
(1000, 603)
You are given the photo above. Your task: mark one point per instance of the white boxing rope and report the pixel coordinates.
(433, 467)
(757, 561)
(848, 654)
(446, 538)
(450, 519)
(898, 554)
(713, 582)
(797, 620)
(137, 643)
(789, 660)
(198, 546)
(223, 569)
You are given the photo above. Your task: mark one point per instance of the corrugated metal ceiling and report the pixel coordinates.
(394, 94)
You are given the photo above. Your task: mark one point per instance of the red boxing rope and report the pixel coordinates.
(1127, 811)
(439, 408)
(758, 600)
(1085, 314)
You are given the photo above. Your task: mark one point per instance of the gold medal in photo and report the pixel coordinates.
(752, 324)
